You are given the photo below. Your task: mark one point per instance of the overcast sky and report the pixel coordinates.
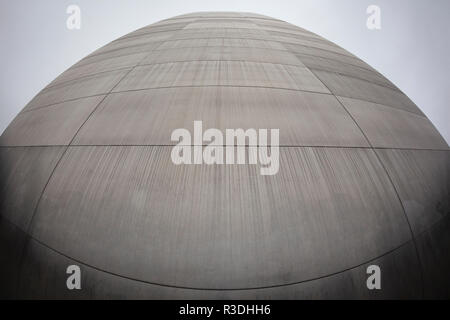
(412, 49)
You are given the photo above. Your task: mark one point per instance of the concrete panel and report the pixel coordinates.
(153, 36)
(311, 43)
(278, 24)
(222, 53)
(173, 21)
(222, 15)
(107, 54)
(12, 244)
(164, 26)
(86, 87)
(222, 33)
(154, 28)
(136, 41)
(345, 69)
(149, 34)
(98, 66)
(227, 14)
(218, 42)
(54, 125)
(350, 87)
(422, 179)
(290, 31)
(400, 280)
(214, 226)
(149, 117)
(238, 20)
(224, 73)
(298, 35)
(220, 24)
(388, 127)
(316, 52)
(258, 16)
(433, 247)
(23, 175)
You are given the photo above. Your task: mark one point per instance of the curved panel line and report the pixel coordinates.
(30, 224)
(393, 186)
(205, 38)
(62, 83)
(205, 145)
(218, 289)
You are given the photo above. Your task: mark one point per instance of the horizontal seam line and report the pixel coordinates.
(270, 39)
(60, 102)
(204, 38)
(195, 47)
(220, 17)
(226, 86)
(62, 83)
(295, 36)
(205, 145)
(131, 35)
(67, 82)
(180, 48)
(301, 65)
(157, 88)
(223, 86)
(92, 55)
(76, 81)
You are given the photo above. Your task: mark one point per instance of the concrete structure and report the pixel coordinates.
(86, 175)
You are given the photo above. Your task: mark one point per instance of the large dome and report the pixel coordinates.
(87, 177)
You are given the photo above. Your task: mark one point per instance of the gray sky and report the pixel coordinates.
(412, 49)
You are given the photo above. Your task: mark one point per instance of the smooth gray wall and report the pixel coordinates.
(412, 49)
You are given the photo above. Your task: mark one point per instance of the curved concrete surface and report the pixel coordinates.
(87, 179)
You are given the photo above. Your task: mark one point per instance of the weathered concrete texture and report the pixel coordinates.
(401, 273)
(423, 184)
(53, 125)
(87, 178)
(307, 119)
(387, 127)
(281, 221)
(23, 175)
